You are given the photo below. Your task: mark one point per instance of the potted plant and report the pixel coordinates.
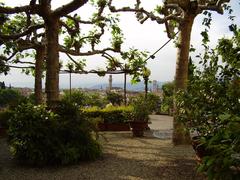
(210, 107)
(140, 116)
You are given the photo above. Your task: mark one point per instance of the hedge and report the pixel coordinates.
(111, 114)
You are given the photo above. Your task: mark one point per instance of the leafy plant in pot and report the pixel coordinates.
(139, 116)
(210, 107)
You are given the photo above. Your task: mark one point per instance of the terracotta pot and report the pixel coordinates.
(102, 127)
(138, 128)
(199, 148)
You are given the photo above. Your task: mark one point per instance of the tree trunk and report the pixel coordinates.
(180, 135)
(125, 88)
(40, 54)
(52, 61)
(146, 86)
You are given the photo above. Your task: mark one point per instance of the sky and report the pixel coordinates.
(149, 36)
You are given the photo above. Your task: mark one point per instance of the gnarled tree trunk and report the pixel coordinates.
(52, 61)
(180, 136)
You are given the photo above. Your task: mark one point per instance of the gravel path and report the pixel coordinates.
(125, 158)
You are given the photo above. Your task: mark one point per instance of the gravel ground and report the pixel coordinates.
(124, 158)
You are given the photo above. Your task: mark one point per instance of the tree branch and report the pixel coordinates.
(22, 62)
(16, 36)
(20, 67)
(8, 10)
(79, 20)
(88, 53)
(97, 72)
(149, 15)
(217, 7)
(71, 31)
(75, 62)
(25, 44)
(68, 8)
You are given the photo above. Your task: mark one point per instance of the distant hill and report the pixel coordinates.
(131, 87)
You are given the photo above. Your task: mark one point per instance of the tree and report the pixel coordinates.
(36, 68)
(21, 48)
(2, 85)
(178, 14)
(52, 24)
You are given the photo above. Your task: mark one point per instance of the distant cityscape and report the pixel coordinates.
(154, 86)
(100, 86)
(130, 87)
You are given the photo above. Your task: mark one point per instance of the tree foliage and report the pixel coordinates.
(69, 26)
(168, 94)
(177, 16)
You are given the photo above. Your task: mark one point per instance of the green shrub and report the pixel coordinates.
(84, 98)
(141, 109)
(4, 118)
(167, 101)
(111, 114)
(96, 99)
(77, 97)
(154, 102)
(116, 114)
(114, 98)
(9, 97)
(225, 143)
(39, 136)
(92, 112)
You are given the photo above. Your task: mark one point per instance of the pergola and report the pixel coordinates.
(125, 72)
(122, 71)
